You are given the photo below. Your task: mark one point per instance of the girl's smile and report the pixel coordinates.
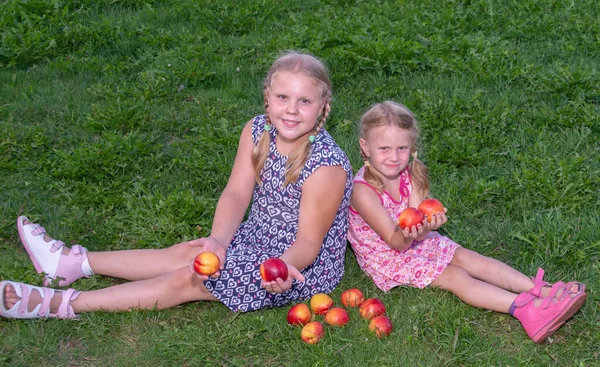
(294, 105)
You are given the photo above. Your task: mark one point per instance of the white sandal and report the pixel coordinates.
(47, 257)
(24, 291)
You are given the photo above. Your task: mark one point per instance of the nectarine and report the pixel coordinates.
(320, 303)
(337, 316)
(272, 269)
(431, 206)
(381, 326)
(312, 332)
(370, 308)
(299, 315)
(206, 263)
(352, 297)
(410, 217)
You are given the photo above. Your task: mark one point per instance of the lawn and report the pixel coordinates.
(119, 122)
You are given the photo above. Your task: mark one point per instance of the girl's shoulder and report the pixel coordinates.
(326, 151)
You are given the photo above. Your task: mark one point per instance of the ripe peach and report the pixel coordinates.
(320, 303)
(410, 217)
(206, 263)
(352, 297)
(312, 332)
(431, 206)
(381, 326)
(273, 268)
(370, 308)
(337, 316)
(299, 315)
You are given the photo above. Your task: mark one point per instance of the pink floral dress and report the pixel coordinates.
(417, 266)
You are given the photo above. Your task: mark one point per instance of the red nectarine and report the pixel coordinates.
(370, 308)
(410, 217)
(312, 332)
(381, 326)
(299, 315)
(352, 297)
(337, 316)
(431, 206)
(273, 268)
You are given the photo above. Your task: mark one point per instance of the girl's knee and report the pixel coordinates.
(182, 251)
(451, 276)
(464, 256)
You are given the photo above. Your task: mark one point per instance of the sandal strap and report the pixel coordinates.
(65, 311)
(38, 230)
(45, 305)
(57, 245)
(538, 283)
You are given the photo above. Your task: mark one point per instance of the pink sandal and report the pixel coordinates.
(24, 291)
(539, 283)
(543, 320)
(47, 257)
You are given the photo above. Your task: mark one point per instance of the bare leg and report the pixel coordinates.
(142, 264)
(473, 291)
(492, 271)
(138, 264)
(166, 291)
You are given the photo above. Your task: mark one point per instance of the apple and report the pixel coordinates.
(381, 326)
(352, 297)
(206, 263)
(370, 308)
(337, 316)
(273, 268)
(410, 217)
(430, 207)
(312, 332)
(320, 303)
(299, 315)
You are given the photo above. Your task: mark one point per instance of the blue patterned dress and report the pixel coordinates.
(271, 229)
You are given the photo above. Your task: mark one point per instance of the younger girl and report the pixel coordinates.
(421, 257)
(300, 183)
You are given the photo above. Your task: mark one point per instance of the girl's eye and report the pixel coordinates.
(305, 101)
(281, 96)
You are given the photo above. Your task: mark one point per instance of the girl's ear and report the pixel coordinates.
(365, 148)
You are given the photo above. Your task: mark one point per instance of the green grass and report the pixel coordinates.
(118, 127)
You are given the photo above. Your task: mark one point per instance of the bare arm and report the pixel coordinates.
(368, 204)
(322, 194)
(236, 197)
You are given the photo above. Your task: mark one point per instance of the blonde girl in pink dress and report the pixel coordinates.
(388, 183)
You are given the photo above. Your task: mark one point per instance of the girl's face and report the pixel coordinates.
(295, 103)
(388, 148)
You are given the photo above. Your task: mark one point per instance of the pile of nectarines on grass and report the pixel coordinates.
(321, 304)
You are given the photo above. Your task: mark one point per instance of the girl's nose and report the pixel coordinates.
(291, 108)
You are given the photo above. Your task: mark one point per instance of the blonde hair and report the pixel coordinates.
(294, 62)
(395, 114)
